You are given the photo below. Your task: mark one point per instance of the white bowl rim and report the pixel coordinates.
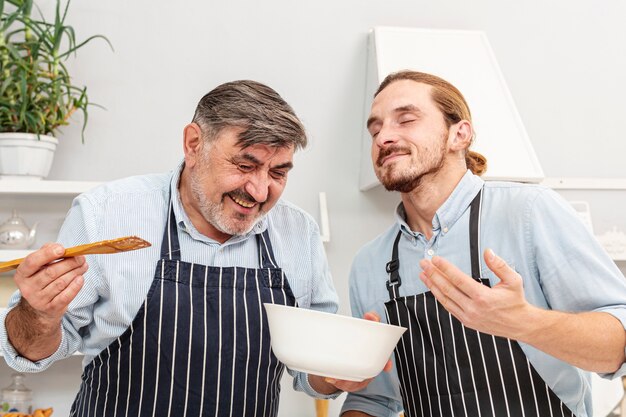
(335, 316)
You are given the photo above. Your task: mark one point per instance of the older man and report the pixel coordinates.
(179, 328)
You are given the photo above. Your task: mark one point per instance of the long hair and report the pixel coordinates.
(450, 102)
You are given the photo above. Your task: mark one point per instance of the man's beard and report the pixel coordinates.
(428, 162)
(214, 212)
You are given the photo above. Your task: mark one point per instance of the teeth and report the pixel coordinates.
(243, 203)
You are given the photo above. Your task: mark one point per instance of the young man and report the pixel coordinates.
(506, 335)
(178, 328)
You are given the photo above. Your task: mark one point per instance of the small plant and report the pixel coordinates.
(36, 91)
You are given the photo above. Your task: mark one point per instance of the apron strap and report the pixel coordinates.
(266, 253)
(474, 234)
(170, 248)
(392, 267)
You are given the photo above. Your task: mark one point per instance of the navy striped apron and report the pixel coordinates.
(446, 369)
(198, 346)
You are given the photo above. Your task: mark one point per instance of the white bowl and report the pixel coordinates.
(330, 345)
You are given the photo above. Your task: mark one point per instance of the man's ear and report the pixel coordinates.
(460, 135)
(192, 143)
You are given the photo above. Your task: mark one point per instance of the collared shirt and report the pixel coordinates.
(536, 232)
(116, 285)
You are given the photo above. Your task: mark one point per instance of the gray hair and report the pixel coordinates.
(263, 114)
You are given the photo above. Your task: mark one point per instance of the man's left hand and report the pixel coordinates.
(499, 310)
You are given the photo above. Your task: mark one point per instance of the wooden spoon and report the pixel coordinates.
(121, 244)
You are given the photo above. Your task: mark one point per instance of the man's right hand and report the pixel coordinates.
(47, 288)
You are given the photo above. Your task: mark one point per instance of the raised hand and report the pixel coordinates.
(498, 310)
(47, 283)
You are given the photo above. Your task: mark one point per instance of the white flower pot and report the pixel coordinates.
(26, 156)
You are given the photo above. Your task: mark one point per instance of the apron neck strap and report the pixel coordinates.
(266, 253)
(170, 248)
(474, 234)
(393, 266)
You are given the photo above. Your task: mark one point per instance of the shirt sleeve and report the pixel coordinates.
(323, 297)
(73, 232)
(575, 272)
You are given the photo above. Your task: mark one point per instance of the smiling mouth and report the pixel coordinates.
(391, 152)
(242, 202)
(382, 161)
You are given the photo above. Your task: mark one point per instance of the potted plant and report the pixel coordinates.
(37, 95)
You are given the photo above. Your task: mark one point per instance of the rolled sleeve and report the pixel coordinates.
(620, 314)
(373, 405)
(20, 363)
(301, 383)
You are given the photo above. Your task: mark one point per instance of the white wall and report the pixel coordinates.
(564, 62)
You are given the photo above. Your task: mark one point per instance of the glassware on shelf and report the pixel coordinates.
(15, 234)
(16, 397)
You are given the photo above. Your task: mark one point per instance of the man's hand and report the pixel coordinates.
(498, 310)
(593, 340)
(47, 288)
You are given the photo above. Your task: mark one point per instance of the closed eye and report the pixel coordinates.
(374, 129)
(278, 175)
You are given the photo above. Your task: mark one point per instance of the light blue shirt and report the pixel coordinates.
(116, 285)
(536, 232)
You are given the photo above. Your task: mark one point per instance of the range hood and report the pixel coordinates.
(465, 59)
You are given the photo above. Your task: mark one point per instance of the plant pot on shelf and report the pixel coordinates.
(26, 155)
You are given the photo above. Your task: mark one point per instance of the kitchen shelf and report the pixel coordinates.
(45, 187)
(584, 183)
(12, 189)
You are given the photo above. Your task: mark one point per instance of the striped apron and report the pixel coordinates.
(198, 346)
(446, 369)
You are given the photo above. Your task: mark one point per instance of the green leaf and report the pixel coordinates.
(36, 91)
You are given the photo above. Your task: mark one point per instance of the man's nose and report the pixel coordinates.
(386, 136)
(258, 187)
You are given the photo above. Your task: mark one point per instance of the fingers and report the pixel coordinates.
(62, 299)
(47, 284)
(348, 386)
(371, 316)
(388, 366)
(500, 267)
(449, 296)
(61, 288)
(55, 277)
(36, 260)
(439, 268)
(451, 286)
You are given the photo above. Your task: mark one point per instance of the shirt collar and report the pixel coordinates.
(184, 223)
(452, 209)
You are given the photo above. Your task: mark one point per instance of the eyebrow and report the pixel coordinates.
(401, 109)
(256, 161)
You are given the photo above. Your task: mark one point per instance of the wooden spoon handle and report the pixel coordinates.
(122, 244)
